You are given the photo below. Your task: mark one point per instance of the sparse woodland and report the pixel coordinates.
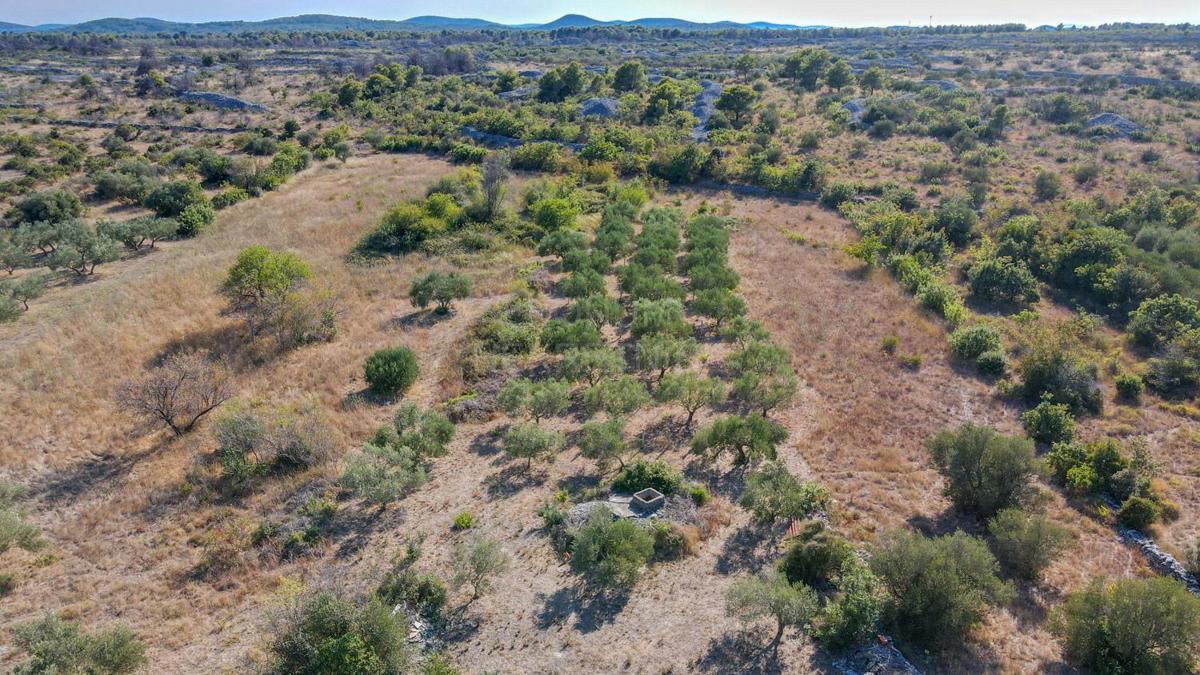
(900, 329)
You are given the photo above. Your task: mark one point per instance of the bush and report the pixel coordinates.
(985, 471)
(969, 342)
(609, 553)
(169, 200)
(1049, 423)
(417, 592)
(770, 595)
(536, 399)
(1138, 512)
(323, 632)
(852, 619)
(391, 371)
(957, 219)
(1047, 185)
(441, 288)
(542, 156)
(464, 521)
(814, 555)
(553, 214)
(1026, 544)
(939, 589)
(48, 206)
(992, 363)
(1158, 321)
(773, 493)
(1001, 280)
(1129, 387)
(1131, 626)
(57, 646)
(642, 474)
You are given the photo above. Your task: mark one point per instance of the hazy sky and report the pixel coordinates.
(870, 13)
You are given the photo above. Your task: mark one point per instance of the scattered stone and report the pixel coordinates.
(857, 108)
(878, 658)
(704, 106)
(944, 85)
(1113, 123)
(598, 107)
(220, 101)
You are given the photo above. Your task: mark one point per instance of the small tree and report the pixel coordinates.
(609, 553)
(603, 442)
(853, 617)
(599, 309)
(530, 442)
(984, 471)
(14, 255)
(617, 396)
(493, 177)
(737, 101)
(80, 250)
(1026, 544)
(692, 392)
(1049, 422)
(748, 439)
(329, 632)
(139, 232)
(773, 493)
(592, 365)
(443, 289)
(380, 475)
(29, 287)
(537, 400)
(719, 304)
(657, 354)
(391, 371)
(1131, 626)
(938, 588)
(185, 388)
(630, 76)
(559, 336)
(770, 595)
(477, 562)
(260, 278)
(765, 378)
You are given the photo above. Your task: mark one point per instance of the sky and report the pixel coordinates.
(865, 13)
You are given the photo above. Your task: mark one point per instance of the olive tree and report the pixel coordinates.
(773, 493)
(260, 279)
(592, 365)
(692, 392)
(657, 354)
(603, 442)
(530, 442)
(748, 439)
(609, 553)
(769, 595)
(477, 562)
(537, 400)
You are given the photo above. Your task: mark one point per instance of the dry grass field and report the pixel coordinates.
(112, 497)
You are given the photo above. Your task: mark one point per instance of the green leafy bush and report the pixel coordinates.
(938, 589)
(1026, 544)
(1131, 626)
(57, 646)
(641, 474)
(322, 632)
(772, 493)
(815, 555)
(968, 342)
(1138, 512)
(1049, 423)
(610, 553)
(391, 371)
(985, 471)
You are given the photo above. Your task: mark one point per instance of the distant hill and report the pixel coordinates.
(330, 22)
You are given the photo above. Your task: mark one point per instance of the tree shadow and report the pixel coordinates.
(579, 482)
(946, 522)
(485, 444)
(746, 651)
(659, 438)
(352, 532)
(747, 550)
(590, 611)
(225, 343)
(77, 480)
(512, 479)
(421, 318)
(729, 484)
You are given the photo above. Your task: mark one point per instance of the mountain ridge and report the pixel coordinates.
(333, 22)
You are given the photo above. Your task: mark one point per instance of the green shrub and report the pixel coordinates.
(464, 521)
(1129, 387)
(609, 553)
(1049, 423)
(48, 206)
(322, 632)
(1158, 321)
(939, 589)
(535, 399)
(1002, 281)
(969, 342)
(771, 595)
(1047, 185)
(530, 442)
(985, 471)
(617, 396)
(441, 288)
(853, 617)
(1026, 544)
(57, 646)
(1138, 512)
(772, 493)
(228, 197)
(542, 156)
(1131, 626)
(992, 363)
(391, 371)
(815, 555)
(699, 494)
(169, 200)
(641, 474)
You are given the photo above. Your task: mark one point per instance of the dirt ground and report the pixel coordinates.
(111, 497)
